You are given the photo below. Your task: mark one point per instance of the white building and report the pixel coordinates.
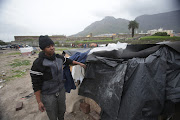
(151, 32)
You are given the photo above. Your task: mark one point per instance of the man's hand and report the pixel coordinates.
(40, 104)
(83, 65)
(41, 107)
(78, 63)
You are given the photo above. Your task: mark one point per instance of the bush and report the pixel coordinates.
(2, 43)
(161, 34)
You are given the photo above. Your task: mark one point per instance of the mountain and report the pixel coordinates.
(168, 21)
(107, 25)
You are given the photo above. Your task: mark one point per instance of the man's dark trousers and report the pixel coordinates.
(55, 105)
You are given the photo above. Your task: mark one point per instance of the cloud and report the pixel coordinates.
(129, 9)
(72, 16)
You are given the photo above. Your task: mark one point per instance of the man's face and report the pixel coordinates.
(49, 50)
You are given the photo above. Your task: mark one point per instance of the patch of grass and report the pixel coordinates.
(18, 62)
(19, 73)
(161, 38)
(37, 52)
(15, 74)
(150, 39)
(62, 49)
(14, 53)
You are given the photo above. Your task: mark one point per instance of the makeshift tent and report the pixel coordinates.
(140, 82)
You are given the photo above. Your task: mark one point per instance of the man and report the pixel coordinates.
(47, 79)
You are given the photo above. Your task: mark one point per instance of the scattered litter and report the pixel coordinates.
(28, 96)
(1, 87)
(3, 73)
(1, 80)
(23, 92)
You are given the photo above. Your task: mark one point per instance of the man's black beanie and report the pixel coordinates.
(45, 41)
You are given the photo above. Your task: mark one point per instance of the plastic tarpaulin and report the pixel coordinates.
(78, 73)
(134, 86)
(150, 83)
(104, 85)
(27, 49)
(110, 47)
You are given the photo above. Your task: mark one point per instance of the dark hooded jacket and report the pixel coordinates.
(47, 73)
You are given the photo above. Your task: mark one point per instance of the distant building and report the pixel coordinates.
(90, 35)
(151, 32)
(177, 34)
(141, 33)
(105, 35)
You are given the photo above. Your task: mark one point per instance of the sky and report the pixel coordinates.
(68, 17)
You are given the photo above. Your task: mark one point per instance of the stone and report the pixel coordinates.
(84, 107)
(19, 106)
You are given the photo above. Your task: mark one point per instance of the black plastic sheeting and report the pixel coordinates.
(136, 50)
(104, 86)
(150, 84)
(138, 86)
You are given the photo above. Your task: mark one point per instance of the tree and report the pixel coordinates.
(2, 42)
(133, 25)
(161, 34)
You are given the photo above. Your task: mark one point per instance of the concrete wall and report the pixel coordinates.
(33, 40)
(63, 40)
(36, 38)
(87, 38)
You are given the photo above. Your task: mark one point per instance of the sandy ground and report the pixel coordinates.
(14, 89)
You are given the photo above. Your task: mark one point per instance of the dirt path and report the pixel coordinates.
(18, 85)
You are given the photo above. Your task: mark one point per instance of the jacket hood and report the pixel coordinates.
(42, 55)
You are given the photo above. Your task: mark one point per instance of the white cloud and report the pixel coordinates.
(72, 16)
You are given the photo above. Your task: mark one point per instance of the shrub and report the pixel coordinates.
(161, 34)
(2, 43)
